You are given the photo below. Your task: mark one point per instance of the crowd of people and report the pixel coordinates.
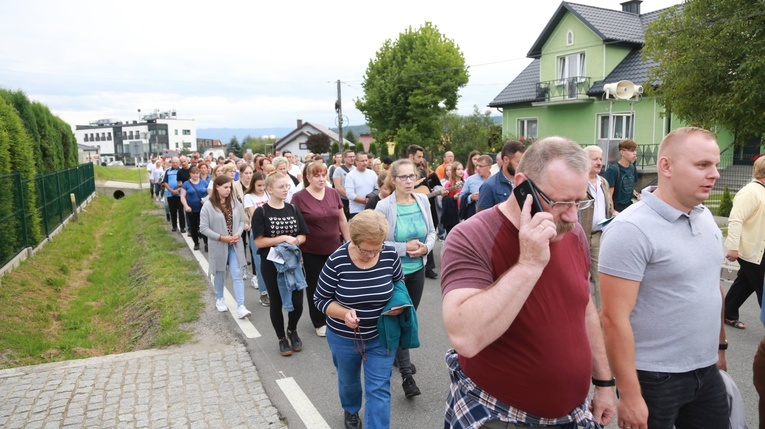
(572, 287)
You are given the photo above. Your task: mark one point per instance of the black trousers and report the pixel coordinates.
(176, 212)
(313, 265)
(268, 269)
(749, 279)
(194, 228)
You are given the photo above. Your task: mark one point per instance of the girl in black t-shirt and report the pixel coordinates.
(273, 223)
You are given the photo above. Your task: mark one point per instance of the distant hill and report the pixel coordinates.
(225, 134)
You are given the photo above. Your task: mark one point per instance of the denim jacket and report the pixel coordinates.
(290, 276)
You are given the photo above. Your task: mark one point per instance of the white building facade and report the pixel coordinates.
(157, 133)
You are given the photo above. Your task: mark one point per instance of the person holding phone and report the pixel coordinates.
(525, 333)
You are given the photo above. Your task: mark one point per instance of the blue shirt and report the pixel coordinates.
(171, 178)
(472, 184)
(494, 190)
(194, 194)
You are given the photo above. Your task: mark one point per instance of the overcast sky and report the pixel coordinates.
(246, 64)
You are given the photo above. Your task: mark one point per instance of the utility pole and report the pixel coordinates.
(339, 110)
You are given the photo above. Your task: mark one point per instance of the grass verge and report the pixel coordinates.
(120, 174)
(111, 283)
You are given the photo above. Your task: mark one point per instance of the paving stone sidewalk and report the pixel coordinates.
(188, 386)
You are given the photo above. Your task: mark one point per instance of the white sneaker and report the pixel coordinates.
(254, 282)
(242, 312)
(321, 331)
(244, 276)
(220, 305)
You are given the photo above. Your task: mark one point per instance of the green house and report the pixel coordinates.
(561, 92)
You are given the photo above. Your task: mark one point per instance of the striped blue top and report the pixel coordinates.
(366, 291)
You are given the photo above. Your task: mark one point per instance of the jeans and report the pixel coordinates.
(256, 265)
(377, 373)
(415, 283)
(688, 400)
(236, 278)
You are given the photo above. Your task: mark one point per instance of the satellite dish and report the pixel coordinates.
(622, 90)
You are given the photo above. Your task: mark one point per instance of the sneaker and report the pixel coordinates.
(254, 282)
(196, 246)
(220, 305)
(410, 387)
(265, 301)
(295, 342)
(183, 230)
(352, 421)
(243, 312)
(321, 331)
(175, 229)
(284, 347)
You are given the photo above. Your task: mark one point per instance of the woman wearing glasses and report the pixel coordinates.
(354, 286)
(412, 234)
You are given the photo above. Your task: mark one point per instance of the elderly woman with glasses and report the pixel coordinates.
(412, 234)
(354, 286)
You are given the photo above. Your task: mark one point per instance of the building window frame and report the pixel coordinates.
(528, 128)
(570, 38)
(624, 126)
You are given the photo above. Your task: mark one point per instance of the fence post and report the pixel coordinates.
(23, 210)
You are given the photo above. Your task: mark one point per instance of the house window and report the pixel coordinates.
(571, 66)
(303, 146)
(527, 129)
(186, 132)
(98, 137)
(91, 137)
(570, 38)
(622, 126)
(86, 137)
(176, 132)
(103, 136)
(109, 136)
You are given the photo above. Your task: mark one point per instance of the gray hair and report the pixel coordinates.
(276, 162)
(594, 148)
(540, 154)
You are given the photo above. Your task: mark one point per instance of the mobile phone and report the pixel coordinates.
(527, 188)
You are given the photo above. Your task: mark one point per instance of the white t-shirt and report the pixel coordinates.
(359, 184)
(295, 170)
(252, 200)
(156, 174)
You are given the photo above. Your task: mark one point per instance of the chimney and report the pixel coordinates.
(299, 123)
(632, 6)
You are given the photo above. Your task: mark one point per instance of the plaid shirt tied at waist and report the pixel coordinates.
(470, 407)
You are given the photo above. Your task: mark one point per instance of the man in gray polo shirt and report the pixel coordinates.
(660, 285)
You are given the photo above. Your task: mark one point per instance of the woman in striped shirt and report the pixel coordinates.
(353, 287)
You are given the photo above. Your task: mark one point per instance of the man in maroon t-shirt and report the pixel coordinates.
(517, 308)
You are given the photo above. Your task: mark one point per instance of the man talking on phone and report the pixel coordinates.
(517, 308)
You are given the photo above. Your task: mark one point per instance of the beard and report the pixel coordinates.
(562, 227)
(510, 170)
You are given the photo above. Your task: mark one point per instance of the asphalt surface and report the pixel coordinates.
(233, 376)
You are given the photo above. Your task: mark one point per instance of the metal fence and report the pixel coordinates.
(52, 205)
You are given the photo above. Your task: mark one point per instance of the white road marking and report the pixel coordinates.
(245, 325)
(300, 402)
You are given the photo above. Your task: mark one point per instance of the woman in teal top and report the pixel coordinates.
(412, 233)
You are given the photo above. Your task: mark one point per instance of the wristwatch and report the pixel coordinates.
(723, 346)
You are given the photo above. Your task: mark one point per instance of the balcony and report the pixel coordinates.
(561, 91)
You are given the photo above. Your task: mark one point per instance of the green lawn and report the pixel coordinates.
(121, 174)
(112, 282)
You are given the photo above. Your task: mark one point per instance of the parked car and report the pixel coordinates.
(116, 164)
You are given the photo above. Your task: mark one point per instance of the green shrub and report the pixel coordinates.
(726, 203)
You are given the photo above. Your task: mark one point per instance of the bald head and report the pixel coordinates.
(674, 142)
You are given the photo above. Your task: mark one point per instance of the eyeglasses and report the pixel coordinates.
(365, 252)
(559, 206)
(405, 177)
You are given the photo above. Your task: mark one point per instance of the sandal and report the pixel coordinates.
(735, 323)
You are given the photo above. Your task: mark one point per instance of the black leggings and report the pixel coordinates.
(194, 228)
(313, 265)
(268, 269)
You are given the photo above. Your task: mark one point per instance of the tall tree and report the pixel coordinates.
(462, 134)
(351, 137)
(711, 57)
(234, 147)
(410, 84)
(318, 143)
